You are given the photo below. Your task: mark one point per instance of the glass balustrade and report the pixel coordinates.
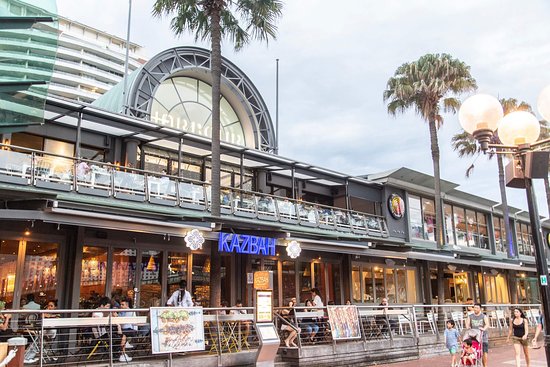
(114, 181)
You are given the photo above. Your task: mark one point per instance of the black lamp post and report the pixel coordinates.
(481, 115)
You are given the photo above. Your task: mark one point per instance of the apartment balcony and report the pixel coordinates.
(30, 168)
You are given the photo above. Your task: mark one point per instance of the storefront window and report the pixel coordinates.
(8, 260)
(356, 284)
(483, 238)
(177, 271)
(151, 275)
(456, 286)
(460, 223)
(123, 277)
(305, 281)
(379, 287)
(94, 276)
(40, 271)
(496, 288)
(527, 289)
(201, 279)
(411, 286)
(368, 285)
(289, 281)
(401, 286)
(390, 286)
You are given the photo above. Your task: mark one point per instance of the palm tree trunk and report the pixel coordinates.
(510, 247)
(547, 189)
(215, 67)
(437, 186)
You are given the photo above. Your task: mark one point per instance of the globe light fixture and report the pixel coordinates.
(480, 115)
(518, 131)
(519, 128)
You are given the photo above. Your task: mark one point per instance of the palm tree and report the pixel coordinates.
(429, 85)
(239, 21)
(465, 145)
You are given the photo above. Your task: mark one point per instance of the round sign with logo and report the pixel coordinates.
(396, 205)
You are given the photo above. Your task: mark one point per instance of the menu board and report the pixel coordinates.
(176, 329)
(344, 322)
(264, 309)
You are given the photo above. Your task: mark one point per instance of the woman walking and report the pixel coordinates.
(519, 329)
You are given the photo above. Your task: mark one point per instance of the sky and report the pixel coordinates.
(335, 59)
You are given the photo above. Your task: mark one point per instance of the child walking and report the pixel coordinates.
(451, 341)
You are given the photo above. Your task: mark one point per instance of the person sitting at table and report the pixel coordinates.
(100, 332)
(289, 315)
(310, 323)
(129, 330)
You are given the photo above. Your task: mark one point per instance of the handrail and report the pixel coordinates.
(137, 184)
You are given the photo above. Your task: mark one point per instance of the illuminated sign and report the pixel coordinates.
(246, 244)
(264, 307)
(396, 205)
(263, 280)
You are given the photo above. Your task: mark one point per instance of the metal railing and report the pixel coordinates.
(36, 168)
(79, 337)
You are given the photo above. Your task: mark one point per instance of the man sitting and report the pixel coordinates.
(101, 332)
(129, 330)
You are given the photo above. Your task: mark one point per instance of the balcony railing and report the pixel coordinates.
(36, 168)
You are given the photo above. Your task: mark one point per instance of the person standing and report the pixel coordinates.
(538, 331)
(451, 341)
(480, 321)
(181, 297)
(519, 327)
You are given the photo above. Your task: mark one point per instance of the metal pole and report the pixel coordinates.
(540, 260)
(277, 109)
(127, 58)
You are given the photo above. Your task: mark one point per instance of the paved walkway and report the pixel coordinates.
(498, 357)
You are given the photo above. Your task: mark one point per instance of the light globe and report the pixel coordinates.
(519, 127)
(543, 103)
(480, 112)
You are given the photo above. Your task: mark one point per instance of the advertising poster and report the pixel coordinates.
(344, 322)
(176, 329)
(264, 309)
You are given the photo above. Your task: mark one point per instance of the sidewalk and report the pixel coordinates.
(501, 356)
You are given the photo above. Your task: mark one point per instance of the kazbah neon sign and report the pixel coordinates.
(246, 244)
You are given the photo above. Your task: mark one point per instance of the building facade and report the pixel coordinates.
(96, 202)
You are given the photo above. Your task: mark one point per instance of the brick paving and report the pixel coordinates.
(498, 357)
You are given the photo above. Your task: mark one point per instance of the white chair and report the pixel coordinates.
(404, 321)
(458, 318)
(501, 318)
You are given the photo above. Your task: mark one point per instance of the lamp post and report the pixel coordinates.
(481, 115)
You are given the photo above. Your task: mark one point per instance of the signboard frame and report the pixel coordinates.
(264, 306)
(179, 319)
(344, 322)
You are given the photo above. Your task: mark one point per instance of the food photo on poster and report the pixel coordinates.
(176, 329)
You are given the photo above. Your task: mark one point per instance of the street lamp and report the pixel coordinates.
(481, 115)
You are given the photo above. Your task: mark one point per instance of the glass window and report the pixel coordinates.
(289, 280)
(177, 271)
(225, 275)
(92, 154)
(124, 273)
(94, 276)
(356, 284)
(368, 284)
(334, 288)
(416, 217)
(40, 271)
(471, 228)
(482, 230)
(428, 209)
(27, 141)
(150, 291)
(380, 289)
(500, 234)
(201, 279)
(449, 228)
(460, 223)
(8, 260)
(401, 286)
(411, 286)
(305, 281)
(390, 286)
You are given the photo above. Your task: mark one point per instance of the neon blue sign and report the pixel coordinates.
(246, 244)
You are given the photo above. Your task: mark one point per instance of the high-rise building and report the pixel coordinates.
(86, 62)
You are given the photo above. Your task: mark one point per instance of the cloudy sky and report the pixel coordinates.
(335, 60)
